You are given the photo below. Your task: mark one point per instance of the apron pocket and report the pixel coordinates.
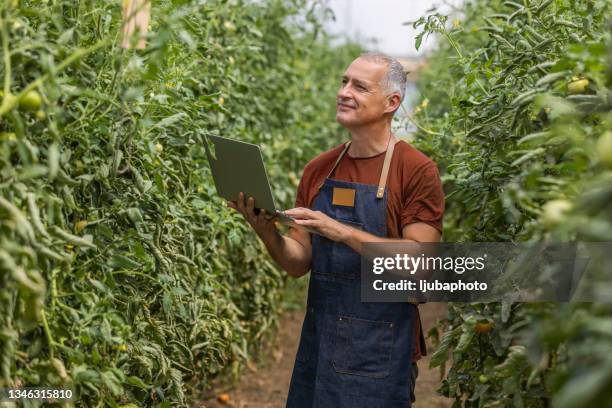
(363, 347)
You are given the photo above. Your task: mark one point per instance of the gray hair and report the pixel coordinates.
(395, 78)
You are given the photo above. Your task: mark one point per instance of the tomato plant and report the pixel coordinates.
(122, 274)
(518, 119)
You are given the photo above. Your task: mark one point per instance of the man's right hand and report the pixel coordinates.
(293, 252)
(262, 223)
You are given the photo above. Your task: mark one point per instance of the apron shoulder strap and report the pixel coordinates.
(346, 146)
(383, 175)
(385, 170)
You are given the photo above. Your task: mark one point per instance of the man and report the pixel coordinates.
(373, 188)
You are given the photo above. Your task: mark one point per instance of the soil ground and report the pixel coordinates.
(266, 386)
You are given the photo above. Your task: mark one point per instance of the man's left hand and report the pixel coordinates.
(324, 225)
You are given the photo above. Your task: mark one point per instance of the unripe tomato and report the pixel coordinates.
(578, 87)
(31, 101)
(483, 379)
(604, 149)
(554, 212)
(159, 147)
(9, 136)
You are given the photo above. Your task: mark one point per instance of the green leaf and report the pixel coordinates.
(418, 40)
(137, 382)
(119, 261)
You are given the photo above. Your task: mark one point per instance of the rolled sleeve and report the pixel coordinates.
(425, 202)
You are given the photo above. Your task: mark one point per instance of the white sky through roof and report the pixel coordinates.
(362, 20)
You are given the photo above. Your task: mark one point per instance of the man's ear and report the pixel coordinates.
(393, 102)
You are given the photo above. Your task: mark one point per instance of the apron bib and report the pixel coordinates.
(351, 354)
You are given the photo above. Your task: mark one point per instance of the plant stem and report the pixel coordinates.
(452, 42)
(481, 87)
(7, 105)
(456, 47)
(7, 60)
(48, 333)
(428, 131)
(421, 128)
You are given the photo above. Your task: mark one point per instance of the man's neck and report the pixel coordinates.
(370, 140)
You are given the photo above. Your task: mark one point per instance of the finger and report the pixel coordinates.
(232, 204)
(295, 210)
(309, 223)
(240, 203)
(300, 213)
(250, 207)
(250, 204)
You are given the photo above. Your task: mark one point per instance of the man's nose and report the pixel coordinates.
(344, 93)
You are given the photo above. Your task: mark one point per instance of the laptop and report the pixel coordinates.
(238, 166)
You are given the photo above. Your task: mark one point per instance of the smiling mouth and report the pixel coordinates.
(343, 105)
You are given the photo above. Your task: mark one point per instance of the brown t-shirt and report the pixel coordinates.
(414, 188)
(414, 191)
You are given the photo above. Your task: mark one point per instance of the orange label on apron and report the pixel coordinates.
(344, 196)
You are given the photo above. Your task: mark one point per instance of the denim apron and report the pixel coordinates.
(351, 354)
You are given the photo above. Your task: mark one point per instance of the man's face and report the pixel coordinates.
(361, 100)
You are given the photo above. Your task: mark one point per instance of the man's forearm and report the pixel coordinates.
(354, 238)
(288, 253)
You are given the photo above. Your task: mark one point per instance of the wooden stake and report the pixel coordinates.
(136, 15)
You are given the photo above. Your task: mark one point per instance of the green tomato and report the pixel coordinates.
(9, 136)
(555, 211)
(31, 101)
(604, 149)
(483, 379)
(578, 87)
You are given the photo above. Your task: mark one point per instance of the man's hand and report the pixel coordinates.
(292, 252)
(261, 223)
(353, 237)
(326, 226)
